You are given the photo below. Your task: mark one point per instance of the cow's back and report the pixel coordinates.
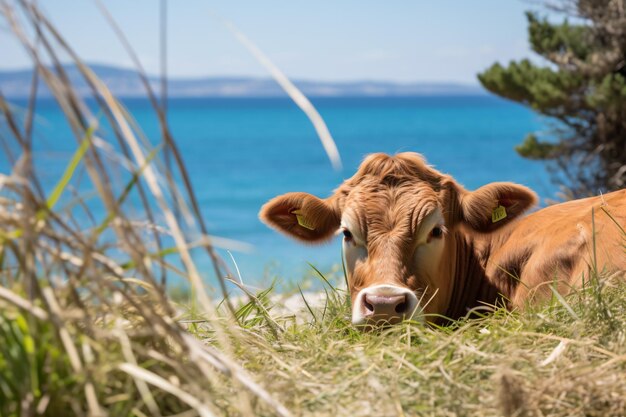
(561, 245)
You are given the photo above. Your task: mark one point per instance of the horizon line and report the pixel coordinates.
(256, 76)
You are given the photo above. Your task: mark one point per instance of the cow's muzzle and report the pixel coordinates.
(383, 305)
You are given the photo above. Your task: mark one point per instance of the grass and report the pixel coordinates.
(562, 358)
(88, 326)
(543, 361)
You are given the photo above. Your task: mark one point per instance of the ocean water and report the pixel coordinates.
(242, 152)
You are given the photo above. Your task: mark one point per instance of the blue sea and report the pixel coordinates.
(242, 152)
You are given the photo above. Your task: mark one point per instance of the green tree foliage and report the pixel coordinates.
(583, 88)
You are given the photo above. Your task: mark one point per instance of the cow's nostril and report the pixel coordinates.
(401, 308)
(368, 306)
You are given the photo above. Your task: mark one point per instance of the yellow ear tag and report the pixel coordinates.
(302, 221)
(498, 214)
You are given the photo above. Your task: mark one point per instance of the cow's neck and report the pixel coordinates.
(471, 286)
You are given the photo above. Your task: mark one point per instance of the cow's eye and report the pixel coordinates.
(436, 232)
(347, 235)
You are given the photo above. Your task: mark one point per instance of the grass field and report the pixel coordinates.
(564, 358)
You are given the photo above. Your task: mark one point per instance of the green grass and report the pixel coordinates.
(561, 358)
(543, 361)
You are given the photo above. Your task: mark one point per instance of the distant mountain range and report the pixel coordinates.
(126, 83)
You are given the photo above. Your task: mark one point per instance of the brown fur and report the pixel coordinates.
(511, 260)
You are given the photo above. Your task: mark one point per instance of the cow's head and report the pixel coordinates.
(400, 219)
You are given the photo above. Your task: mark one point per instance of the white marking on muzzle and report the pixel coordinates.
(385, 303)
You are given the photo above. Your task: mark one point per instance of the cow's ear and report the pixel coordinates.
(495, 205)
(302, 216)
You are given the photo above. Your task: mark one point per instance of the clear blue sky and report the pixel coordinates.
(442, 40)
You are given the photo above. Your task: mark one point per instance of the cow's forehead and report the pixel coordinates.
(378, 205)
(406, 171)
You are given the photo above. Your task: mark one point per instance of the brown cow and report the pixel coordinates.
(416, 240)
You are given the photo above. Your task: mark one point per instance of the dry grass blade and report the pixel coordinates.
(154, 379)
(142, 386)
(64, 333)
(296, 95)
(26, 305)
